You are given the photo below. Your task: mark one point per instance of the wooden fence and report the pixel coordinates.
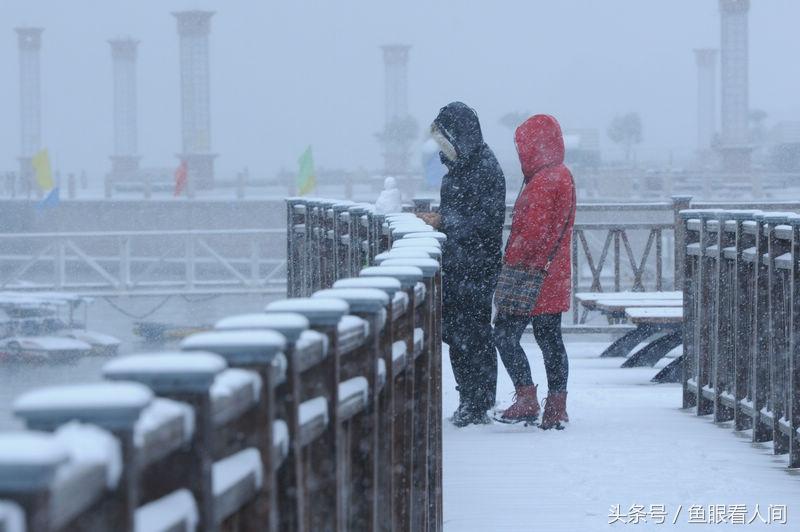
(320, 413)
(741, 282)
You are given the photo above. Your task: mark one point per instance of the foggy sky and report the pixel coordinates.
(288, 74)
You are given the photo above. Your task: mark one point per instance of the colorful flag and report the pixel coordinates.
(42, 171)
(50, 200)
(306, 177)
(181, 177)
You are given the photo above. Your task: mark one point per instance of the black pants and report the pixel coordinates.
(508, 330)
(468, 332)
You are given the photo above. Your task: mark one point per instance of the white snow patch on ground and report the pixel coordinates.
(628, 443)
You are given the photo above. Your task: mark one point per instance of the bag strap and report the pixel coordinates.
(570, 219)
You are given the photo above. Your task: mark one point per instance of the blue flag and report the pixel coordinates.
(49, 201)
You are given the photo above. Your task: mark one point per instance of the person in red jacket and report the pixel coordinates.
(544, 214)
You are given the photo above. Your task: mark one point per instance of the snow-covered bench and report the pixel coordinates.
(654, 351)
(615, 305)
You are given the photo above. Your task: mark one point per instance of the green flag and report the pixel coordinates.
(306, 177)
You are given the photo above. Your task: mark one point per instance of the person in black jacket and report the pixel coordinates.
(471, 214)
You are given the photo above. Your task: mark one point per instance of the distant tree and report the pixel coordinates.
(513, 119)
(626, 130)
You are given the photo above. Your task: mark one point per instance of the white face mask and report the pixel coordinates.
(445, 146)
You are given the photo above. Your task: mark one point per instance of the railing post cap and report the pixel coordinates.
(168, 371)
(289, 324)
(360, 300)
(389, 285)
(741, 214)
(437, 235)
(407, 275)
(777, 217)
(406, 242)
(111, 405)
(319, 312)
(402, 253)
(428, 266)
(29, 460)
(238, 348)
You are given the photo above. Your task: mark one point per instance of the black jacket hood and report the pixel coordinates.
(459, 124)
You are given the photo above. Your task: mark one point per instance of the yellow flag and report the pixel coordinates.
(41, 166)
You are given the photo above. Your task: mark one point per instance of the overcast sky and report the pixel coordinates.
(288, 74)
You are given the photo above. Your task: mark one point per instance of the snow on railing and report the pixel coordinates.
(741, 287)
(295, 418)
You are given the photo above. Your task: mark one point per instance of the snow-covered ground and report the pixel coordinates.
(628, 444)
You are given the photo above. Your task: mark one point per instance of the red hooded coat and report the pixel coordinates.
(545, 204)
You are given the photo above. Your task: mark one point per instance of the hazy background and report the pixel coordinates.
(288, 74)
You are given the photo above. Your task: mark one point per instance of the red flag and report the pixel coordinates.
(181, 177)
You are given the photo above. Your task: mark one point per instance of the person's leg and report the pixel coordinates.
(508, 330)
(547, 331)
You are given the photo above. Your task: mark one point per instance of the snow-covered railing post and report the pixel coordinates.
(362, 365)
(259, 352)
(115, 407)
(289, 488)
(679, 203)
(793, 413)
(326, 476)
(296, 242)
(186, 378)
(424, 335)
(404, 409)
(341, 235)
(759, 378)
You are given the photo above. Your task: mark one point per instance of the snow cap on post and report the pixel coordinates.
(360, 300)
(29, 460)
(434, 252)
(111, 405)
(319, 312)
(400, 231)
(238, 348)
(168, 371)
(401, 253)
(415, 242)
(407, 275)
(389, 285)
(437, 235)
(289, 324)
(428, 266)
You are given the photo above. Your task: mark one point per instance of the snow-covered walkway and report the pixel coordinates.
(629, 444)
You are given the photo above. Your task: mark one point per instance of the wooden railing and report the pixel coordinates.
(321, 413)
(741, 282)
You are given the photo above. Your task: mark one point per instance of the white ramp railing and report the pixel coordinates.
(146, 262)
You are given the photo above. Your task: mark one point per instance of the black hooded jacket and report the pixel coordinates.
(472, 201)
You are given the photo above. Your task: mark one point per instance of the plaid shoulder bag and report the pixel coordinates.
(518, 287)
